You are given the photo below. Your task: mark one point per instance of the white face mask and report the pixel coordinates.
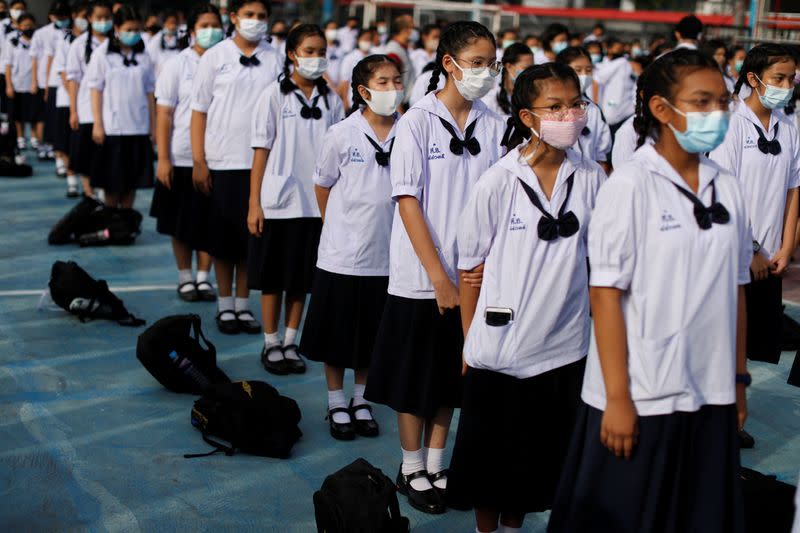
(312, 68)
(474, 86)
(432, 45)
(586, 83)
(365, 46)
(82, 24)
(384, 103)
(252, 30)
(15, 13)
(331, 34)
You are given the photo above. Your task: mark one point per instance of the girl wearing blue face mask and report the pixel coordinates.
(120, 76)
(763, 150)
(655, 447)
(516, 58)
(165, 44)
(554, 39)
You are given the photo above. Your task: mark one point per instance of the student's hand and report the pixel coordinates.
(446, 295)
(34, 88)
(255, 220)
(759, 267)
(473, 278)
(780, 263)
(164, 172)
(74, 123)
(464, 366)
(98, 133)
(9, 91)
(619, 428)
(201, 177)
(741, 404)
(46, 92)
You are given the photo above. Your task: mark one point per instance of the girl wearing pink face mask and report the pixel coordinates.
(527, 326)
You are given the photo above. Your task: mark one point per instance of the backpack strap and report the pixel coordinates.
(198, 334)
(219, 447)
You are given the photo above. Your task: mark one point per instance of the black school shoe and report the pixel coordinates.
(341, 431)
(428, 501)
(365, 428)
(228, 327)
(188, 296)
(746, 441)
(205, 292)
(248, 325)
(295, 366)
(279, 367)
(433, 478)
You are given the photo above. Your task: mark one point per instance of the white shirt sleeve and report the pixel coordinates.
(337, 107)
(746, 242)
(150, 78)
(203, 85)
(96, 71)
(406, 163)
(794, 173)
(478, 225)
(725, 155)
(73, 68)
(167, 85)
(330, 161)
(264, 125)
(612, 234)
(36, 48)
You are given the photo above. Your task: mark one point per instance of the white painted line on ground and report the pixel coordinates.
(124, 288)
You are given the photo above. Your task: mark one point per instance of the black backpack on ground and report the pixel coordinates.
(171, 351)
(74, 221)
(768, 503)
(74, 290)
(91, 223)
(359, 498)
(250, 415)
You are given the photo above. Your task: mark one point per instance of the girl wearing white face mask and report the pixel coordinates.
(516, 58)
(763, 150)
(420, 57)
(443, 144)
(527, 325)
(354, 195)
(289, 124)
(594, 141)
(363, 48)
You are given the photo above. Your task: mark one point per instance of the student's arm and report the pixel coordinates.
(255, 214)
(73, 87)
(35, 76)
(151, 107)
(619, 429)
(780, 261)
(98, 129)
(9, 83)
(164, 169)
(322, 194)
(47, 77)
(201, 176)
(741, 356)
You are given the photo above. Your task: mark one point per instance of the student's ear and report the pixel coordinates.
(752, 81)
(527, 118)
(447, 63)
(292, 56)
(364, 93)
(660, 110)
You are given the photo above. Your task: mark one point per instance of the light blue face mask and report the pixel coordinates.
(704, 130)
(226, 19)
(774, 97)
(208, 37)
(102, 26)
(596, 58)
(130, 38)
(61, 23)
(559, 47)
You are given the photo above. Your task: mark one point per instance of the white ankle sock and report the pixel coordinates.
(185, 276)
(336, 399)
(243, 306)
(60, 166)
(225, 303)
(414, 462)
(358, 399)
(272, 339)
(202, 275)
(495, 531)
(72, 181)
(434, 459)
(289, 336)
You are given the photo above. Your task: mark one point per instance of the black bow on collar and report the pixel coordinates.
(128, 62)
(457, 145)
(550, 228)
(381, 157)
(586, 131)
(768, 147)
(309, 112)
(706, 216)
(251, 61)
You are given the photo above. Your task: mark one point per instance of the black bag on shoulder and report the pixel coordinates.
(768, 503)
(171, 351)
(74, 290)
(359, 498)
(251, 416)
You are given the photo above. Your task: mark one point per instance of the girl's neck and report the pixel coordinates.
(508, 84)
(305, 85)
(125, 49)
(244, 45)
(99, 36)
(199, 49)
(754, 103)
(544, 156)
(458, 106)
(377, 121)
(685, 164)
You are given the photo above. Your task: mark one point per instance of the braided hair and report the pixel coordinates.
(455, 38)
(759, 59)
(97, 4)
(293, 41)
(511, 55)
(362, 73)
(527, 88)
(660, 79)
(196, 12)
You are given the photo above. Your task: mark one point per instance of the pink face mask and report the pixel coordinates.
(561, 132)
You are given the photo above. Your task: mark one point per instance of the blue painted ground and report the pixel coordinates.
(90, 442)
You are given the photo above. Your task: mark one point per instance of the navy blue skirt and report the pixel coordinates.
(81, 149)
(182, 211)
(123, 163)
(284, 257)
(227, 226)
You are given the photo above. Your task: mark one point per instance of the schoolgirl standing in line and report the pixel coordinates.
(61, 14)
(516, 58)
(40, 48)
(121, 78)
(334, 53)
(655, 447)
(442, 145)
(527, 326)
(289, 123)
(230, 79)
(354, 193)
(364, 46)
(164, 45)
(19, 76)
(595, 139)
(181, 210)
(62, 129)
(424, 55)
(81, 117)
(763, 150)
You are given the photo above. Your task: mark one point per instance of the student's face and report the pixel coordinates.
(778, 75)
(582, 66)
(385, 78)
(367, 38)
(739, 55)
(311, 46)
(616, 49)
(207, 20)
(595, 49)
(699, 90)
(253, 10)
(560, 38)
(479, 54)
(432, 38)
(100, 14)
(116, 7)
(524, 61)
(557, 100)
(533, 42)
(278, 28)
(128, 26)
(26, 24)
(719, 57)
(171, 25)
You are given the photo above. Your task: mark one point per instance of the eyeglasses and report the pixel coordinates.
(478, 65)
(709, 104)
(561, 111)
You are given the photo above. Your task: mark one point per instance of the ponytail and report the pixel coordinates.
(434, 83)
(293, 41)
(362, 73)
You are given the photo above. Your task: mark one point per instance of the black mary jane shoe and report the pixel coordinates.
(295, 366)
(190, 295)
(250, 325)
(365, 428)
(205, 292)
(433, 478)
(228, 327)
(279, 367)
(340, 431)
(746, 441)
(428, 501)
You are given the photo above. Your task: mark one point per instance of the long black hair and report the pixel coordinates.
(527, 88)
(511, 55)
(759, 59)
(455, 38)
(362, 73)
(167, 14)
(97, 4)
(660, 79)
(293, 41)
(124, 14)
(196, 12)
